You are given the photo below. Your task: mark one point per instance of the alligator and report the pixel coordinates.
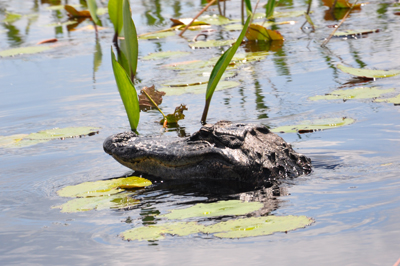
(223, 151)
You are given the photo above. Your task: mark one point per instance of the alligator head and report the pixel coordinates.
(223, 151)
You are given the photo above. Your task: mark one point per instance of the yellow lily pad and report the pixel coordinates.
(103, 187)
(198, 89)
(311, 126)
(162, 55)
(395, 100)
(24, 50)
(368, 73)
(211, 43)
(356, 93)
(220, 208)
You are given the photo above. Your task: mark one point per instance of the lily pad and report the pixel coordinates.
(216, 19)
(395, 100)
(311, 126)
(24, 50)
(211, 43)
(368, 73)
(103, 187)
(199, 89)
(259, 33)
(238, 228)
(66, 23)
(258, 226)
(118, 201)
(60, 7)
(11, 17)
(156, 232)
(155, 36)
(186, 21)
(60, 133)
(356, 93)
(195, 77)
(232, 27)
(221, 208)
(353, 32)
(163, 55)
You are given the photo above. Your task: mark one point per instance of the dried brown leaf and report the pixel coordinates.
(145, 103)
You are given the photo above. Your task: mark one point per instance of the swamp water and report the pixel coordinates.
(352, 194)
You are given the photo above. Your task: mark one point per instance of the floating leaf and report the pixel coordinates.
(88, 28)
(266, 25)
(211, 43)
(199, 89)
(73, 13)
(24, 50)
(60, 7)
(258, 226)
(238, 228)
(162, 55)
(368, 73)
(356, 93)
(60, 133)
(220, 208)
(154, 94)
(260, 33)
(176, 116)
(156, 36)
(215, 19)
(66, 23)
(395, 100)
(101, 11)
(117, 201)
(156, 232)
(48, 41)
(340, 4)
(11, 17)
(103, 187)
(311, 126)
(353, 32)
(186, 21)
(285, 14)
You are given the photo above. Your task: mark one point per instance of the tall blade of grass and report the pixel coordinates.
(115, 13)
(248, 7)
(131, 40)
(127, 92)
(93, 11)
(269, 8)
(220, 68)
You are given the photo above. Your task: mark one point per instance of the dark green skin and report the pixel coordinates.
(223, 151)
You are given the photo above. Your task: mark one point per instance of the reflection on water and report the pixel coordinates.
(352, 193)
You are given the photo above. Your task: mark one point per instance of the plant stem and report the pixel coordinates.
(198, 15)
(341, 22)
(205, 111)
(155, 105)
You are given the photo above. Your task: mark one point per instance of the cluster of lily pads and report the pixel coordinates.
(119, 194)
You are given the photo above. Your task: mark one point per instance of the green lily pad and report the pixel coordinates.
(103, 187)
(101, 11)
(195, 77)
(159, 35)
(198, 89)
(368, 73)
(215, 19)
(24, 50)
(356, 93)
(162, 55)
(395, 100)
(118, 201)
(11, 17)
(58, 24)
(258, 226)
(311, 126)
(220, 208)
(353, 32)
(10, 141)
(157, 232)
(232, 27)
(211, 43)
(238, 228)
(60, 133)
(60, 7)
